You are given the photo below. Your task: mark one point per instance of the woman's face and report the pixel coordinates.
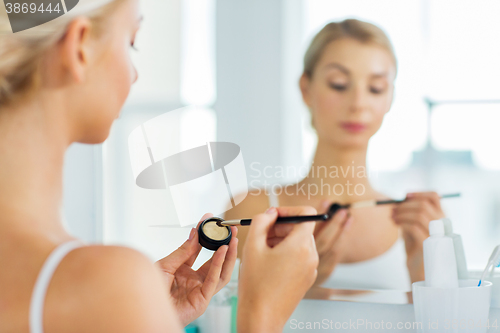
(110, 76)
(350, 91)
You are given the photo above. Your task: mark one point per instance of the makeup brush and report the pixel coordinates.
(280, 219)
(371, 203)
(331, 211)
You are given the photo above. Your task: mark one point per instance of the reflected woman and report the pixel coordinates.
(65, 82)
(348, 86)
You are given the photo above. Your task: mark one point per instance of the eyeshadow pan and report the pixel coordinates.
(213, 231)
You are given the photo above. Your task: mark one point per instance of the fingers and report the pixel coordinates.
(326, 236)
(193, 257)
(419, 210)
(227, 264)
(214, 272)
(296, 211)
(413, 219)
(324, 206)
(282, 229)
(432, 197)
(260, 227)
(184, 254)
(301, 232)
(204, 217)
(264, 229)
(272, 242)
(230, 260)
(415, 232)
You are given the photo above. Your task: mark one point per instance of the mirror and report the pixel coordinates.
(239, 74)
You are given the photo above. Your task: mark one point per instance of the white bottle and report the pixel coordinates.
(440, 264)
(459, 249)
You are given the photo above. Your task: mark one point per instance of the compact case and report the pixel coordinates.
(209, 243)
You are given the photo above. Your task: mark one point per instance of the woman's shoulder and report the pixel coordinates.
(107, 288)
(106, 263)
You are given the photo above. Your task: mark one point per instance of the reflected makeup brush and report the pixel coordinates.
(325, 217)
(371, 203)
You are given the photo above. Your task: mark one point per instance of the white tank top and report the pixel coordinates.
(42, 283)
(386, 271)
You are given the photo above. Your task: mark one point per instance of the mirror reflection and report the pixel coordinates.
(329, 101)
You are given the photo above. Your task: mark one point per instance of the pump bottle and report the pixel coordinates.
(440, 264)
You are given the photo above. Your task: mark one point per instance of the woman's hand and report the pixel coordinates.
(192, 290)
(278, 267)
(328, 237)
(414, 215)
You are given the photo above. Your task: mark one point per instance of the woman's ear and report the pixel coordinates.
(304, 83)
(75, 48)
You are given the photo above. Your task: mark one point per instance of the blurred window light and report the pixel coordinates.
(463, 49)
(157, 58)
(198, 125)
(469, 127)
(198, 52)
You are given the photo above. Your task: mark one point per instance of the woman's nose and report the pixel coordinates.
(135, 74)
(359, 99)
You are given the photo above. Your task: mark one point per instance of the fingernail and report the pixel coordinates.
(191, 234)
(271, 210)
(348, 223)
(409, 195)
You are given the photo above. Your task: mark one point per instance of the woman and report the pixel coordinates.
(348, 86)
(65, 82)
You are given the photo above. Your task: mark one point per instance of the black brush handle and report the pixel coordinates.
(292, 219)
(245, 221)
(299, 219)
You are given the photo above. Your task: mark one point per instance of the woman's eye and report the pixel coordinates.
(374, 90)
(339, 87)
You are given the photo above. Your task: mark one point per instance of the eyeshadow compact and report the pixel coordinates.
(212, 235)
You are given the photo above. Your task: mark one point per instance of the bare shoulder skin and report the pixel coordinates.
(108, 289)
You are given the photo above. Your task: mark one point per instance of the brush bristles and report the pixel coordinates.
(360, 204)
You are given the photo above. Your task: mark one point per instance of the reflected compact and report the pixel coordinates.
(212, 234)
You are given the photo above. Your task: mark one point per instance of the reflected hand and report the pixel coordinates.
(329, 241)
(192, 290)
(414, 215)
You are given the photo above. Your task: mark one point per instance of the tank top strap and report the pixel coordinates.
(42, 283)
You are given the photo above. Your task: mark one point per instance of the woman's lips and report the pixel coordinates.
(353, 127)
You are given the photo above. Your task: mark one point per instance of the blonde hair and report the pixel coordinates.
(21, 52)
(363, 32)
